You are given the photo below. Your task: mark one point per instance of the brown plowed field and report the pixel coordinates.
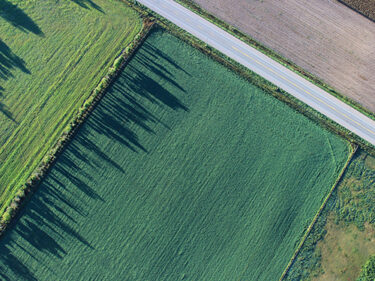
(324, 37)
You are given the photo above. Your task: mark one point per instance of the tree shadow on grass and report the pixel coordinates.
(8, 62)
(124, 109)
(43, 225)
(87, 4)
(18, 18)
(4, 110)
(50, 217)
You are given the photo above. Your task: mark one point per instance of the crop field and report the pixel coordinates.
(184, 171)
(52, 55)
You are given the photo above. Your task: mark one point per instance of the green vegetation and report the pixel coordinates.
(184, 171)
(52, 55)
(344, 235)
(368, 270)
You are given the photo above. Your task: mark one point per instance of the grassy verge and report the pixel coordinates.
(256, 79)
(342, 239)
(277, 57)
(26, 190)
(52, 54)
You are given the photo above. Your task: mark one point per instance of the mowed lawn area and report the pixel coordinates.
(184, 171)
(52, 55)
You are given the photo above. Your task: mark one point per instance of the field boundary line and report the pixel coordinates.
(26, 191)
(354, 148)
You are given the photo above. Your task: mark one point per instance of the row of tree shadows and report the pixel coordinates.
(124, 110)
(9, 61)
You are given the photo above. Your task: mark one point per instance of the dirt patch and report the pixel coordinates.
(324, 37)
(370, 162)
(344, 250)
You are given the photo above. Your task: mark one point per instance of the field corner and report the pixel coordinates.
(354, 148)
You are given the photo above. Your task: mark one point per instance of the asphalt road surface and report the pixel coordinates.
(271, 70)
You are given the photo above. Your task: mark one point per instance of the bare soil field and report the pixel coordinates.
(324, 37)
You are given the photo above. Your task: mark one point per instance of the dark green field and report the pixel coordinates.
(183, 172)
(52, 55)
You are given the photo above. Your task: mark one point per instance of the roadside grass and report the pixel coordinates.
(52, 55)
(190, 4)
(184, 171)
(344, 237)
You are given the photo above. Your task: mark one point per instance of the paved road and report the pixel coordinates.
(266, 67)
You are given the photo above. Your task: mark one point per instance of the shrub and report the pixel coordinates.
(7, 216)
(368, 270)
(117, 63)
(21, 193)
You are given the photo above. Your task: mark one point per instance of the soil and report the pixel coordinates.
(344, 250)
(324, 37)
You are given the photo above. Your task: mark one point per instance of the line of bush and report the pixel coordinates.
(83, 112)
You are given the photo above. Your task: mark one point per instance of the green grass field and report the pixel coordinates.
(52, 54)
(184, 171)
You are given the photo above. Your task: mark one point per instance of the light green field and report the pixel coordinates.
(183, 172)
(52, 54)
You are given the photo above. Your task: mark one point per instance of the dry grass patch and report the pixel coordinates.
(344, 250)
